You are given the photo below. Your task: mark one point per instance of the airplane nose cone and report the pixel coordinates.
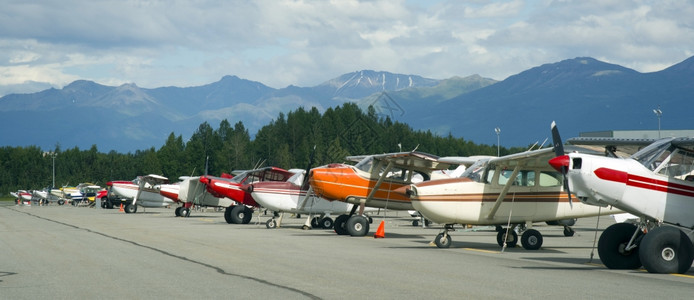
(560, 162)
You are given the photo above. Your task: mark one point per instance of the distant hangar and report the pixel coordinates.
(638, 134)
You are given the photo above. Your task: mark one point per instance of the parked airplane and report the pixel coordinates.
(372, 182)
(231, 188)
(143, 191)
(516, 190)
(654, 184)
(189, 192)
(296, 196)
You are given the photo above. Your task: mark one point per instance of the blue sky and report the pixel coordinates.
(279, 43)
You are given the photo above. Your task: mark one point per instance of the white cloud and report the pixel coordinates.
(184, 43)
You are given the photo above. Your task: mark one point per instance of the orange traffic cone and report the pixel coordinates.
(121, 207)
(381, 232)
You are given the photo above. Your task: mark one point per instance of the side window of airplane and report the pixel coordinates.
(678, 164)
(548, 178)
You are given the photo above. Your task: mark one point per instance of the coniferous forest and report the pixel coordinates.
(287, 142)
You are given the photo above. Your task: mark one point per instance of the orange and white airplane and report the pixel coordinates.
(372, 182)
(514, 190)
(655, 184)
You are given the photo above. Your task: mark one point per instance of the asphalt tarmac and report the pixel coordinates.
(65, 252)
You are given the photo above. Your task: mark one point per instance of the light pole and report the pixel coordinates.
(53, 155)
(658, 113)
(498, 131)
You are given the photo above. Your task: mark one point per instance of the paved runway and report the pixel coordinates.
(65, 252)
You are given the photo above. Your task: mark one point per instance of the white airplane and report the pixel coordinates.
(190, 191)
(654, 184)
(515, 190)
(143, 191)
(295, 196)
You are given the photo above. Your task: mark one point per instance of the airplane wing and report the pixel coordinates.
(620, 147)
(154, 179)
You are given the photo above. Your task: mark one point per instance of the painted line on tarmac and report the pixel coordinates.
(218, 269)
(481, 250)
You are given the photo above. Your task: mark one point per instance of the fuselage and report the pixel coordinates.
(148, 197)
(191, 190)
(347, 183)
(289, 197)
(629, 185)
(464, 201)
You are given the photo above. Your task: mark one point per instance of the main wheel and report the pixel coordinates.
(241, 214)
(666, 250)
(611, 247)
(531, 239)
(315, 222)
(339, 225)
(177, 212)
(61, 202)
(271, 224)
(184, 212)
(357, 225)
(511, 237)
(326, 223)
(443, 240)
(227, 214)
(130, 208)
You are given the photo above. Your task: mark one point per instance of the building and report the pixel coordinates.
(638, 134)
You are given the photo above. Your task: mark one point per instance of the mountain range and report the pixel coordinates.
(581, 94)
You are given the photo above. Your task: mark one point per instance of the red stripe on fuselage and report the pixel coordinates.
(644, 182)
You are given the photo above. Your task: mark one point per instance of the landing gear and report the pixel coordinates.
(531, 239)
(178, 211)
(184, 212)
(618, 246)
(240, 214)
(326, 223)
(666, 249)
(357, 225)
(510, 236)
(130, 208)
(339, 225)
(568, 231)
(271, 224)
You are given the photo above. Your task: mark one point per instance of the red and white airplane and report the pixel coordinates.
(143, 191)
(231, 188)
(190, 192)
(372, 182)
(515, 190)
(296, 196)
(654, 184)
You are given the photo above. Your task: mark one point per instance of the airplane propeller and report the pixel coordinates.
(561, 161)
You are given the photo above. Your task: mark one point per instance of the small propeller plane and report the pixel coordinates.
(372, 182)
(517, 189)
(296, 196)
(655, 184)
(190, 191)
(143, 191)
(231, 188)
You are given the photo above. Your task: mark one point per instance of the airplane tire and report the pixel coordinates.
(178, 211)
(326, 223)
(568, 231)
(531, 239)
(511, 239)
(443, 240)
(184, 212)
(666, 250)
(339, 224)
(227, 214)
(130, 209)
(357, 225)
(611, 247)
(241, 214)
(315, 222)
(271, 224)
(61, 202)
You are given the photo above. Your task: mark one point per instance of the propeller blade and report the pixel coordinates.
(561, 161)
(556, 140)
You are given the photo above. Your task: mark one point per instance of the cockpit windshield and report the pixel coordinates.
(475, 171)
(663, 157)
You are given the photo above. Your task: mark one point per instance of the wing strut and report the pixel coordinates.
(140, 186)
(375, 188)
(503, 193)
